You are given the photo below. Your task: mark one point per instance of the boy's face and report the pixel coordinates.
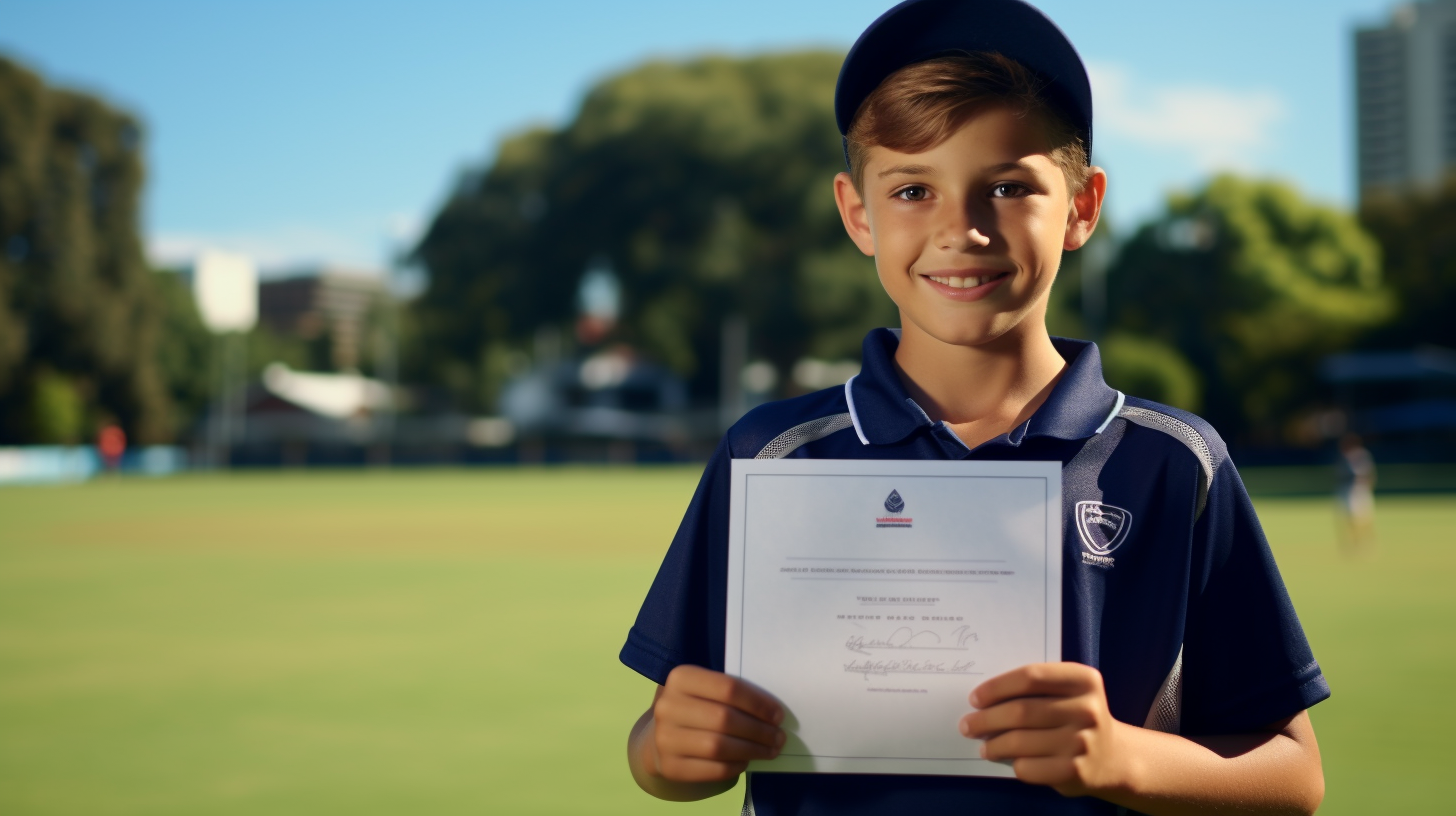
(967, 236)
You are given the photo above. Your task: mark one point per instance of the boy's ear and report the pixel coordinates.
(853, 213)
(1086, 208)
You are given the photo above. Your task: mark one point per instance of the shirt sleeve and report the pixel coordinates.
(682, 620)
(1246, 661)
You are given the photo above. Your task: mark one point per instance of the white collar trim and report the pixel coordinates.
(854, 417)
(1116, 409)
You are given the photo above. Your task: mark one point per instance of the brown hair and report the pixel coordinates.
(921, 105)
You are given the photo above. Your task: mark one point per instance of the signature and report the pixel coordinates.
(886, 667)
(907, 637)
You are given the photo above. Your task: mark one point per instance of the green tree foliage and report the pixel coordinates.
(1251, 285)
(186, 353)
(57, 414)
(707, 187)
(1417, 234)
(1151, 369)
(77, 309)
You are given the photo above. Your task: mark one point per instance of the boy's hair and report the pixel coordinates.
(922, 104)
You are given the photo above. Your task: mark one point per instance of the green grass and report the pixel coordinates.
(445, 642)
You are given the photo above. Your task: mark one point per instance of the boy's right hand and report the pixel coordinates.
(708, 725)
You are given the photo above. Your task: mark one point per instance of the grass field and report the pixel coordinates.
(445, 642)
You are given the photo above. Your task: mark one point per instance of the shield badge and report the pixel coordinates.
(1103, 527)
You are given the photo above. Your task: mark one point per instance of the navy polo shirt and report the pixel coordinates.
(1169, 586)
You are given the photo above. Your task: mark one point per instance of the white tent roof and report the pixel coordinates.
(338, 396)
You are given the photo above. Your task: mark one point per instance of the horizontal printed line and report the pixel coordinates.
(904, 580)
(936, 648)
(888, 673)
(906, 560)
(897, 759)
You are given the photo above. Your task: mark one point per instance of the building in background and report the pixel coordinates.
(328, 303)
(1405, 98)
(1403, 403)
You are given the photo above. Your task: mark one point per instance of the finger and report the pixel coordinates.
(706, 715)
(1030, 742)
(1045, 770)
(724, 688)
(1037, 680)
(1027, 712)
(690, 769)
(699, 744)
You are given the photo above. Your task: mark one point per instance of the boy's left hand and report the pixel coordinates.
(1051, 720)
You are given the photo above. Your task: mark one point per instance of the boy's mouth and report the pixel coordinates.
(966, 287)
(967, 282)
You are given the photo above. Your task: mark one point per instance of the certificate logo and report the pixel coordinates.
(1103, 528)
(895, 505)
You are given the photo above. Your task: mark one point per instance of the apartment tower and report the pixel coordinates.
(1405, 98)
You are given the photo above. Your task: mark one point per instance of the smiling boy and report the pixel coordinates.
(1185, 676)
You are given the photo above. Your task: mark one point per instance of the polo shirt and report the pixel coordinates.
(1169, 586)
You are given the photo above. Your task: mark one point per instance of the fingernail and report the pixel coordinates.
(779, 739)
(983, 751)
(778, 716)
(965, 728)
(975, 700)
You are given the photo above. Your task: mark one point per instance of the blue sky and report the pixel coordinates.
(308, 132)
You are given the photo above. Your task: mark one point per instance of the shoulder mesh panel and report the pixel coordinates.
(802, 434)
(1166, 715)
(1183, 432)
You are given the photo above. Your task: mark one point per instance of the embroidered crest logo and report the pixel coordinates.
(894, 503)
(1103, 528)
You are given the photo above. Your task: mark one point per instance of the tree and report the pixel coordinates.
(186, 352)
(78, 314)
(705, 185)
(1417, 234)
(1252, 285)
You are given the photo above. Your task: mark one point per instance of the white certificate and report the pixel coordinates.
(870, 597)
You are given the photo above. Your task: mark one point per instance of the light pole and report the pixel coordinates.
(225, 288)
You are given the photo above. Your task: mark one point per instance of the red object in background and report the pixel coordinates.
(111, 443)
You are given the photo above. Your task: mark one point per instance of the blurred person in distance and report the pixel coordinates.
(111, 444)
(1355, 490)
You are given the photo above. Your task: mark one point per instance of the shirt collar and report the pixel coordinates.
(1080, 406)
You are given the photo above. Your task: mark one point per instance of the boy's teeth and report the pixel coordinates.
(963, 283)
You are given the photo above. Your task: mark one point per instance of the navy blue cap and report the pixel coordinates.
(918, 30)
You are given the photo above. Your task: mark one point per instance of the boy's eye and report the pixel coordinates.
(912, 194)
(1008, 190)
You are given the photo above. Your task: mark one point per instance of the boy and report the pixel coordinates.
(1186, 675)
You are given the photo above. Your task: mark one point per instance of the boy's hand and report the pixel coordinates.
(1051, 720)
(708, 725)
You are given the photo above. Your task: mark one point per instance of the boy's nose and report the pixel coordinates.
(962, 238)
